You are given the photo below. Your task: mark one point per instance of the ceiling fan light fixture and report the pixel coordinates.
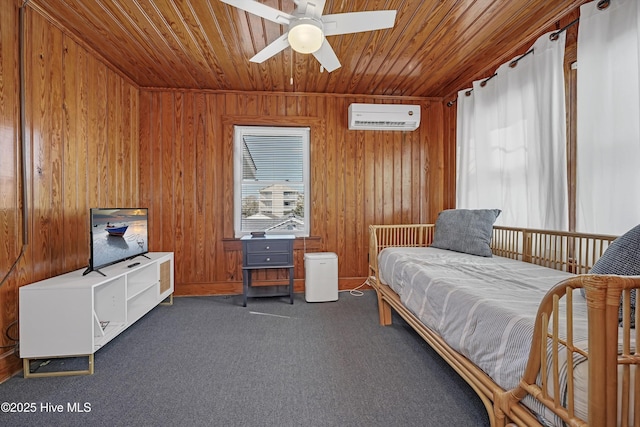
(306, 36)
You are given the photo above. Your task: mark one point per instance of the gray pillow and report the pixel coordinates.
(622, 257)
(465, 230)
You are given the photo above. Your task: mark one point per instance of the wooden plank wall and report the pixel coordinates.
(82, 151)
(82, 132)
(10, 218)
(357, 178)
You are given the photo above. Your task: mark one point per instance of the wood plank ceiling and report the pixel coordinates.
(436, 47)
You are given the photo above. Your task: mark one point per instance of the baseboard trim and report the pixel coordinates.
(235, 288)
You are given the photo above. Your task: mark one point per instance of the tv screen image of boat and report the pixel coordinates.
(118, 234)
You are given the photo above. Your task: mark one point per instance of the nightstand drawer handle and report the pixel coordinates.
(268, 259)
(267, 248)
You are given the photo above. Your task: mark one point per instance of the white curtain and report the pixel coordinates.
(608, 146)
(511, 141)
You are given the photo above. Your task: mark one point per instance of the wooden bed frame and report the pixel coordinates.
(566, 251)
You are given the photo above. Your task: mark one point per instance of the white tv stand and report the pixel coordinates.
(72, 315)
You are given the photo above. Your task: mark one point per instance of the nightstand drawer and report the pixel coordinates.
(268, 259)
(266, 245)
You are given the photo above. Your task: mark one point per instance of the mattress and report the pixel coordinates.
(484, 308)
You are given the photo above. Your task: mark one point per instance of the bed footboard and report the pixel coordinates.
(383, 236)
(612, 357)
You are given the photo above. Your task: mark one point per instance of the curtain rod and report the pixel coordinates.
(554, 36)
(512, 64)
(483, 83)
(602, 4)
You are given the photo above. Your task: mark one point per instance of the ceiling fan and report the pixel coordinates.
(308, 28)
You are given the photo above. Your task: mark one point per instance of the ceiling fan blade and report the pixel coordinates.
(327, 57)
(310, 8)
(277, 46)
(355, 22)
(261, 10)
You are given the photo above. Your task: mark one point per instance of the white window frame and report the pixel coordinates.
(238, 138)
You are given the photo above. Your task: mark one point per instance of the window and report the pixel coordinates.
(271, 180)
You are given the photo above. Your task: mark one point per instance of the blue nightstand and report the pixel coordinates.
(270, 251)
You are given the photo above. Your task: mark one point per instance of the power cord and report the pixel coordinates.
(40, 364)
(356, 292)
(9, 337)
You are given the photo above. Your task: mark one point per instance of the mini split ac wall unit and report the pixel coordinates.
(384, 117)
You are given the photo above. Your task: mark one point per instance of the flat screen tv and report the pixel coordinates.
(117, 234)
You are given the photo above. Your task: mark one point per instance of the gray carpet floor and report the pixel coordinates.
(210, 361)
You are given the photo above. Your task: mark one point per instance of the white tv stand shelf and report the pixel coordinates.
(74, 315)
